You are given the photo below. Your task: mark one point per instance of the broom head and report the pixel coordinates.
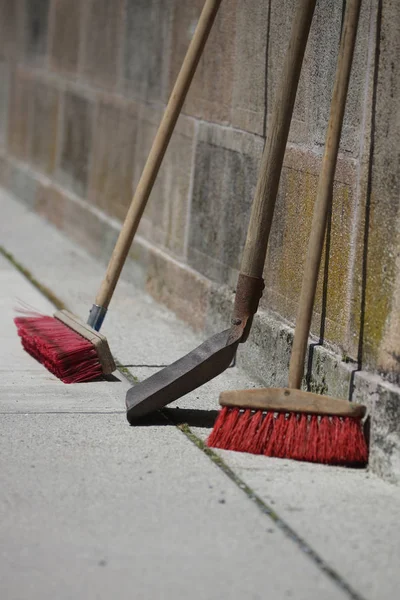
(66, 346)
(289, 423)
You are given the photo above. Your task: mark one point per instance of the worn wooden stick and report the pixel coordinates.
(156, 155)
(324, 194)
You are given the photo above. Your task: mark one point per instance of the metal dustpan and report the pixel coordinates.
(215, 355)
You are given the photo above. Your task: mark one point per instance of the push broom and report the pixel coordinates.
(288, 422)
(69, 348)
(215, 355)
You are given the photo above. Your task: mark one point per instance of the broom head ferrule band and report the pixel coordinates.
(96, 316)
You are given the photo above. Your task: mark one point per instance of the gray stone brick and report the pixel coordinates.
(65, 42)
(165, 218)
(146, 48)
(103, 27)
(76, 141)
(45, 107)
(249, 87)
(4, 92)
(8, 29)
(20, 110)
(210, 95)
(22, 183)
(36, 13)
(225, 175)
(113, 158)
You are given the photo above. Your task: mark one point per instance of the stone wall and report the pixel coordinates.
(83, 85)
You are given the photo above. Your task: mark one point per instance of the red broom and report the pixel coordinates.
(67, 347)
(289, 423)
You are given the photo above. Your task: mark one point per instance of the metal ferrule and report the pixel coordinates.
(96, 316)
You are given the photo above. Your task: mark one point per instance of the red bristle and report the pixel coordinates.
(359, 444)
(327, 440)
(219, 424)
(351, 448)
(229, 429)
(290, 439)
(65, 353)
(311, 450)
(258, 445)
(336, 452)
(239, 436)
(324, 445)
(277, 437)
(225, 430)
(252, 432)
(300, 441)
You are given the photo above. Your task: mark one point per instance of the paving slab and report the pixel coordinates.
(93, 508)
(347, 519)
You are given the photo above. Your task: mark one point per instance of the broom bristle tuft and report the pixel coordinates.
(328, 440)
(63, 352)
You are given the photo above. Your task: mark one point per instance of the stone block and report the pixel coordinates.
(289, 240)
(76, 142)
(22, 182)
(3, 170)
(113, 157)
(146, 49)
(20, 111)
(354, 134)
(35, 33)
(280, 23)
(226, 166)
(51, 204)
(45, 109)
(165, 219)
(65, 40)
(382, 400)
(72, 216)
(8, 29)
(181, 289)
(210, 95)
(4, 92)
(103, 28)
(376, 281)
(249, 86)
(314, 94)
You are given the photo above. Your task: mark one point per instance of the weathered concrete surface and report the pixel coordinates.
(355, 513)
(91, 507)
(91, 470)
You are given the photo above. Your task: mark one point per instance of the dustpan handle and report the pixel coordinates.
(157, 152)
(272, 159)
(324, 194)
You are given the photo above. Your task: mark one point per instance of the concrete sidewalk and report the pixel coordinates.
(90, 507)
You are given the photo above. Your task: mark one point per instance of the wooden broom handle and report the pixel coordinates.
(324, 194)
(272, 159)
(157, 152)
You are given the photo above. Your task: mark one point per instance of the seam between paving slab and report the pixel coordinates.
(266, 510)
(272, 514)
